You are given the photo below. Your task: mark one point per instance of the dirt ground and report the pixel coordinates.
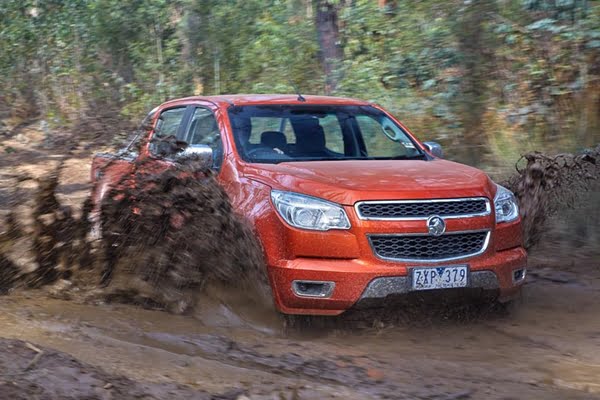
(546, 347)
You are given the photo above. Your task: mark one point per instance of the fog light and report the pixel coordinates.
(313, 288)
(519, 275)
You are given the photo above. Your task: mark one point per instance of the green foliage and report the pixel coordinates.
(490, 73)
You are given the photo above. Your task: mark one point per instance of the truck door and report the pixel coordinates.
(169, 132)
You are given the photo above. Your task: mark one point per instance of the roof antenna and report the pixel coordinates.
(300, 97)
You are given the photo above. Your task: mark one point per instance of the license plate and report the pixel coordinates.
(440, 277)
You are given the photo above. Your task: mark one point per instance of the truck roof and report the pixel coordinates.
(254, 99)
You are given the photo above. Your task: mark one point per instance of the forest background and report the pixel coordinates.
(489, 79)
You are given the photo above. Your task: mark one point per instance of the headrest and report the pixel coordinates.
(310, 137)
(274, 139)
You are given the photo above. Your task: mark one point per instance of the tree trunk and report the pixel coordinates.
(477, 66)
(326, 19)
(188, 36)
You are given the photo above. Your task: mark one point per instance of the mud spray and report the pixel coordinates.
(547, 184)
(167, 237)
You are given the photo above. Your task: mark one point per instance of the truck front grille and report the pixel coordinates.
(423, 209)
(424, 248)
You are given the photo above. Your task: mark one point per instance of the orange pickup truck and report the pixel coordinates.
(348, 205)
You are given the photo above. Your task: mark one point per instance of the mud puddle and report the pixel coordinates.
(546, 348)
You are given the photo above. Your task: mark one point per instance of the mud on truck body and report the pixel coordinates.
(348, 205)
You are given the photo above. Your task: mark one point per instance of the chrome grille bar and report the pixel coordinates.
(398, 210)
(425, 248)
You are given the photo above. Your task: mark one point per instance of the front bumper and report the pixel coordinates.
(357, 280)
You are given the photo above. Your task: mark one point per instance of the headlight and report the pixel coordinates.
(506, 205)
(307, 212)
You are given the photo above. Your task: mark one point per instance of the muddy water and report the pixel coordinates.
(549, 347)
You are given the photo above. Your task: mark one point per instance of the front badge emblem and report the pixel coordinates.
(436, 226)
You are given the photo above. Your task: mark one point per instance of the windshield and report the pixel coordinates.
(287, 133)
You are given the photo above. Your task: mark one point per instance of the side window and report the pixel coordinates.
(203, 129)
(372, 131)
(169, 122)
(163, 143)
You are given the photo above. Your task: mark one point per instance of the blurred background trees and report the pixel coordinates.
(487, 78)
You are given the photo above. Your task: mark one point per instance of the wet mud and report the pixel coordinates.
(164, 238)
(545, 348)
(28, 372)
(547, 184)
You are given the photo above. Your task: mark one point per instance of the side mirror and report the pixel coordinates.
(435, 149)
(197, 152)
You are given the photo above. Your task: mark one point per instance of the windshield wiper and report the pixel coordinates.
(415, 157)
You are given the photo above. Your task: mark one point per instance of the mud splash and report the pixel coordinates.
(550, 183)
(45, 243)
(166, 237)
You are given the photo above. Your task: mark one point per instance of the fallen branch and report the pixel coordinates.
(35, 359)
(30, 365)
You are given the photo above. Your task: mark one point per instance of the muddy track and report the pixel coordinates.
(540, 350)
(30, 372)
